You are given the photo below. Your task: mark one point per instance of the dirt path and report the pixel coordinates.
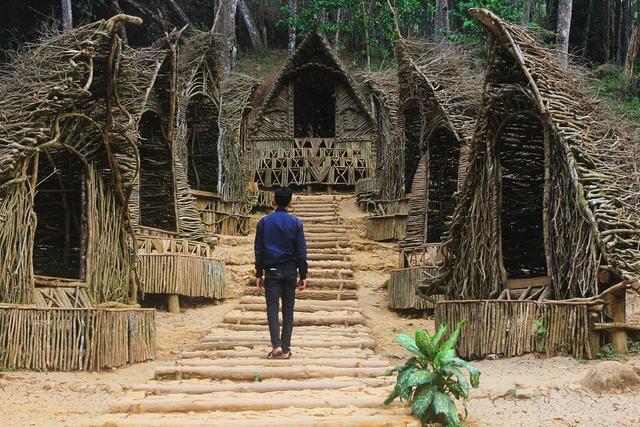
(522, 391)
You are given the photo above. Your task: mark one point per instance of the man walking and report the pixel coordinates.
(280, 250)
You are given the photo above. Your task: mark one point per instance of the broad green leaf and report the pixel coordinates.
(404, 391)
(425, 343)
(422, 400)
(418, 377)
(392, 396)
(409, 343)
(452, 416)
(439, 334)
(462, 380)
(450, 343)
(474, 375)
(441, 403)
(445, 357)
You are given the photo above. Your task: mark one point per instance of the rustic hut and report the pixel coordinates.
(378, 194)
(178, 147)
(226, 209)
(67, 162)
(314, 128)
(544, 240)
(438, 99)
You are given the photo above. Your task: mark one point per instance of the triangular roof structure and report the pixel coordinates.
(592, 188)
(315, 46)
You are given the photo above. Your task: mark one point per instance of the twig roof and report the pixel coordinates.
(60, 82)
(315, 50)
(593, 199)
(237, 91)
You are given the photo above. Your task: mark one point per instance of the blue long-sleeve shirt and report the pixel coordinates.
(280, 243)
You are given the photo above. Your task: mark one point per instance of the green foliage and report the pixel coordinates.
(470, 31)
(433, 377)
(621, 96)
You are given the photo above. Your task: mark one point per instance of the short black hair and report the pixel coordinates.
(283, 196)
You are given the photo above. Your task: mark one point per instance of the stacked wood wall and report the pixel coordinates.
(75, 339)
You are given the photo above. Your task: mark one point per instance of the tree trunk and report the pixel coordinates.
(67, 17)
(527, 12)
(254, 35)
(564, 29)
(587, 29)
(178, 11)
(366, 35)
(293, 14)
(442, 19)
(336, 38)
(225, 25)
(632, 52)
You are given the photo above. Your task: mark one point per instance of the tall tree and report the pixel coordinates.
(527, 12)
(67, 17)
(442, 19)
(632, 52)
(565, 8)
(293, 15)
(225, 25)
(254, 35)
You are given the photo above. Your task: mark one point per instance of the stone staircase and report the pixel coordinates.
(333, 379)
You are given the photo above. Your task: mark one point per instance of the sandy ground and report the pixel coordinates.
(525, 391)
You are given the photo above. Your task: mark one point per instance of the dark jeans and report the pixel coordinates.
(280, 284)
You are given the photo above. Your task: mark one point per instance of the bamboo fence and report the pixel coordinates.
(403, 288)
(56, 339)
(514, 328)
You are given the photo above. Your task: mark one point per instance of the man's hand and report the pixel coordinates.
(302, 284)
(260, 283)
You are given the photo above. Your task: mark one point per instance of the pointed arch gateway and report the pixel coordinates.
(314, 128)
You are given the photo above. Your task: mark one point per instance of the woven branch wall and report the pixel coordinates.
(286, 153)
(58, 72)
(583, 213)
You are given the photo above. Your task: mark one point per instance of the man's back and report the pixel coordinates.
(280, 242)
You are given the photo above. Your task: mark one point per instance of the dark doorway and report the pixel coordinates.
(444, 154)
(412, 133)
(520, 143)
(314, 100)
(157, 194)
(59, 248)
(202, 144)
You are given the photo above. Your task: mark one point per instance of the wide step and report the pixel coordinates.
(334, 379)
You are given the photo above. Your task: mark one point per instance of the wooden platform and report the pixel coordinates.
(68, 339)
(170, 265)
(334, 379)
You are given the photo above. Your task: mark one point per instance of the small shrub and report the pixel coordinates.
(433, 377)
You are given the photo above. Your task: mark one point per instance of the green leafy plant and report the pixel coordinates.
(433, 377)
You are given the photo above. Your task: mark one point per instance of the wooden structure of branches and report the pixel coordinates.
(585, 196)
(314, 127)
(68, 162)
(179, 150)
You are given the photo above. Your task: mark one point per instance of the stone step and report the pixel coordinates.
(347, 305)
(300, 352)
(331, 265)
(359, 417)
(320, 295)
(260, 387)
(302, 319)
(265, 372)
(263, 343)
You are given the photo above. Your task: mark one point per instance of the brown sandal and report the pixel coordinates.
(273, 354)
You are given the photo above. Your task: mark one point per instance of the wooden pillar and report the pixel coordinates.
(616, 307)
(173, 303)
(329, 189)
(309, 189)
